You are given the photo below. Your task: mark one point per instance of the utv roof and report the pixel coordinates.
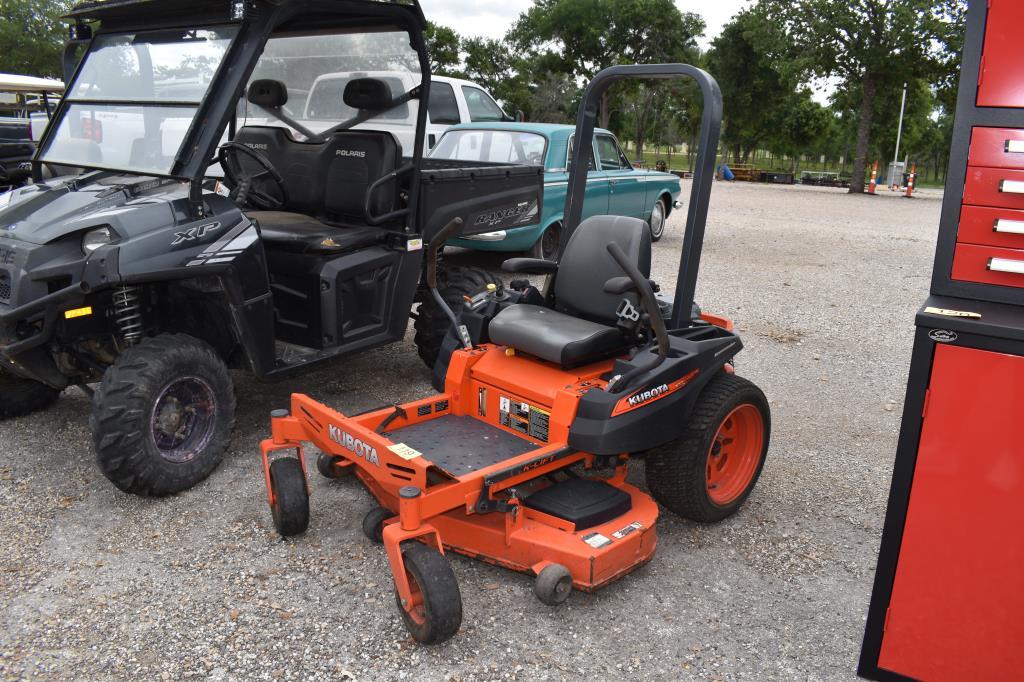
(102, 10)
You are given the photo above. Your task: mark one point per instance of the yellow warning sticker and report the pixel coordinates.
(77, 312)
(404, 451)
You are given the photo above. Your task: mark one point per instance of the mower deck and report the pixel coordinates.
(461, 445)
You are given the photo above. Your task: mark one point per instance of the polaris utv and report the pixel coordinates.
(194, 210)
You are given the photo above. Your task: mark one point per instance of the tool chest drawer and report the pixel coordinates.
(999, 80)
(997, 147)
(994, 187)
(989, 265)
(1003, 227)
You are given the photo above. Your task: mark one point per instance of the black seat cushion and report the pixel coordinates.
(582, 501)
(354, 160)
(554, 336)
(299, 163)
(298, 233)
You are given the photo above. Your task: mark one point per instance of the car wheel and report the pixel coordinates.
(657, 221)
(548, 244)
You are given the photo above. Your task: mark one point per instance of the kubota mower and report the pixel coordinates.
(541, 392)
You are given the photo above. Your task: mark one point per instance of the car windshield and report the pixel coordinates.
(317, 67)
(491, 146)
(135, 98)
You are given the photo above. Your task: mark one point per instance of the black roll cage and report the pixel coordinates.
(257, 21)
(700, 193)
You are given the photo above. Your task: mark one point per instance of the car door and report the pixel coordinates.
(626, 187)
(595, 200)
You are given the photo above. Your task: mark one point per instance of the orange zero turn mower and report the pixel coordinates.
(520, 459)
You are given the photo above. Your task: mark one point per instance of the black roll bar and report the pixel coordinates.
(700, 193)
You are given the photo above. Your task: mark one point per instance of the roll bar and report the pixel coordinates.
(700, 193)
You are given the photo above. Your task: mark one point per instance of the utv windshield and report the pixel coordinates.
(317, 67)
(135, 97)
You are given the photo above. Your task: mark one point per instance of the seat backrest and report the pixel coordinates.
(353, 160)
(299, 163)
(586, 265)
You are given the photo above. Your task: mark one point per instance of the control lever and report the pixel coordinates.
(446, 233)
(650, 307)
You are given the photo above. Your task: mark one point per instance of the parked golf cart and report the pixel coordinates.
(25, 107)
(192, 241)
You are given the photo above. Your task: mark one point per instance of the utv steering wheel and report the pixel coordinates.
(268, 194)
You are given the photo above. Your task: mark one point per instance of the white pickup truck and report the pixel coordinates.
(452, 101)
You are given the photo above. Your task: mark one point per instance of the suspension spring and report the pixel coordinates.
(128, 314)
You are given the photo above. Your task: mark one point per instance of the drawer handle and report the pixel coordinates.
(1004, 226)
(1014, 147)
(1011, 186)
(1015, 267)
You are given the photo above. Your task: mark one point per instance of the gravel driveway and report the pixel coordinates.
(95, 584)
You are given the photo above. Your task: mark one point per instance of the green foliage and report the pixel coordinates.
(443, 47)
(32, 37)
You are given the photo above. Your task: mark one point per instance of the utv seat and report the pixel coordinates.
(581, 328)
(326, 182)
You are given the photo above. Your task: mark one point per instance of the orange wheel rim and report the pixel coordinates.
(416, 609)
(735, 454)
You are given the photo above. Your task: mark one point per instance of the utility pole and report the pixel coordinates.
(899, 131)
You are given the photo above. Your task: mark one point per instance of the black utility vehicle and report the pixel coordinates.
(217, 218)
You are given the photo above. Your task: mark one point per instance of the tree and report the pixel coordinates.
(32, 37)
(578, 38)
(871, 46)
(443, 46)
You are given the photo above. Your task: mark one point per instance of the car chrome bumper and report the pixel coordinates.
(486, 236)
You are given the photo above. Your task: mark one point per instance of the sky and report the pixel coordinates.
(493, 19)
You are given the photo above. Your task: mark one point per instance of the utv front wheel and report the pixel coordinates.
(19, 397)
(708, 474)
(163, 415)
(432, 324)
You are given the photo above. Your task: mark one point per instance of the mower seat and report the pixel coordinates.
(299, 233)
(581, 328)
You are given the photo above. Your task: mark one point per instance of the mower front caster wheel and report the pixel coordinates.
(553, 585)
(373, 524)
(435, 613)
(330, 467)
(291, 497)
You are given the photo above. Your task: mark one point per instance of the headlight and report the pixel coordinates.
(94, 239)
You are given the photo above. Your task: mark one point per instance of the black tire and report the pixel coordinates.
(373, 523)
(658, 226)
(547, 246)
(329, 467)
(441, 610)
(291, 497)
(432, 324)
(186, 381)
(553, 584)
(19, 397)
(678, 474)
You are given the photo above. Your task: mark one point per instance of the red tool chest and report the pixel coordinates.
(948, 597)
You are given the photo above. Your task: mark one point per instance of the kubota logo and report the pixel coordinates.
(353, 445)
(644, 396)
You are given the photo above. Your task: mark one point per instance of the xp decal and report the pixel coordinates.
(194, 233)
(225, 249)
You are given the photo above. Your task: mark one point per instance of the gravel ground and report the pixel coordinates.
(95, 584)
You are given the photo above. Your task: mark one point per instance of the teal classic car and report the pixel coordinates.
(613, 185)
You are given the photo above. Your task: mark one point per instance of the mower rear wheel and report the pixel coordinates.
(432, 324)
(331, 467)
(708, 474)
(435, 614)
(19, 397)
(291, 497)
(553, 585)
(373, 523)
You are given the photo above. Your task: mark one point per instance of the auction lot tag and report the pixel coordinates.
(952, 313)
(404, 451)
